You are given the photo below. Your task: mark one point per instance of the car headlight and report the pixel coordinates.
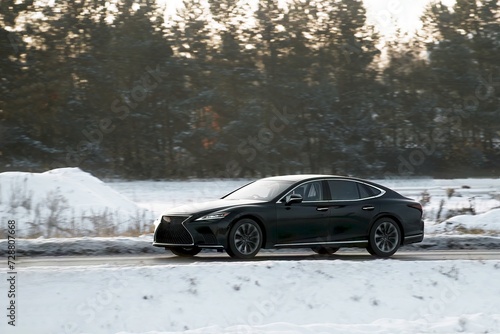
(213, 216)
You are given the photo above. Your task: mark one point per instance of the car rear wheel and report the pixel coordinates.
(325, 250)
(185, 251)
(245, 239)
(385, 238)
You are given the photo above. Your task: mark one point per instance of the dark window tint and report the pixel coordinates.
(343, 190)
(367, 191)
(310, 191)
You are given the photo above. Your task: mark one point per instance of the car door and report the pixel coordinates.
(305, 222)
(353, 208)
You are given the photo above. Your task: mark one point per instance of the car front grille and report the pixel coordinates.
(171, 231)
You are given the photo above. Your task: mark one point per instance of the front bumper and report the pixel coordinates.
(182, 231)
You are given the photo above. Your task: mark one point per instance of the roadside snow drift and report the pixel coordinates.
(484, 223)
(264, 297)
(66, 202)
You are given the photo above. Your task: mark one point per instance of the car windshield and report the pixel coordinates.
(263, 190)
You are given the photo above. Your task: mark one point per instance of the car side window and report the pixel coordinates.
(366, 191)
(310, 191)
(343, 190)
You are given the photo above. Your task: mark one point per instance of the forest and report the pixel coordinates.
(225, 88)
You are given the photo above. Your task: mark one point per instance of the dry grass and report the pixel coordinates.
(54, 218)
(465, 230)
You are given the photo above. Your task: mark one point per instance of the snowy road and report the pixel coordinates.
(167, 259)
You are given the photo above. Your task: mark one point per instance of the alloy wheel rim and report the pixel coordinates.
(386, 237)
(247, 238)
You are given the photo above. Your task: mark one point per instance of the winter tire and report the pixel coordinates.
(245, 239)
(385, 238)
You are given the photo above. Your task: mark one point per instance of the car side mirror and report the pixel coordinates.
(293, 198)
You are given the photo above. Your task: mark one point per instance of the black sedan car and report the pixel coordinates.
(320, 212)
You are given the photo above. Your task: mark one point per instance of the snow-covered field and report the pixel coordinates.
(451, 207)
(68, 202)
(254, 297)
(261, 297)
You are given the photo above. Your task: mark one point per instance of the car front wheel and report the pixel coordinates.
(245, 239)
(385, 238)
(185, 251)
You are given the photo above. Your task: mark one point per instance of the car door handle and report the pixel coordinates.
(321, 209)
(368, 207)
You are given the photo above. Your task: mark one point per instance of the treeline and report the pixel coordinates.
(229, 90)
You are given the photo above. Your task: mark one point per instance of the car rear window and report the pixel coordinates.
(366, 191)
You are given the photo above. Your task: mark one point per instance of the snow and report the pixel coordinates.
(442, 199)
(265, 297)
(488, 222)
(69, 202)
(261, 296)
(157, 196)
(85, 246)
(66, 202)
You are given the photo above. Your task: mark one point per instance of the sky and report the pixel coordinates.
(390, 15)
(386, 15)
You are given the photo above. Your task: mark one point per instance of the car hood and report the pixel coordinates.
(210, 206)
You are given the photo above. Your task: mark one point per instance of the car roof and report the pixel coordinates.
(302, 177)
(305, 177)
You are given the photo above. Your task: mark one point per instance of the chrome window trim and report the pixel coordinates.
(382, 191)
(300, 185)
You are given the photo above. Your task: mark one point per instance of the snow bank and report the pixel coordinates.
(485, 223)
(85, 246)
(446, 198)
(66, 202)
(265, 297)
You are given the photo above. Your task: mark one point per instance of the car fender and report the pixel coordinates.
(391, 215)
(268, 228)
